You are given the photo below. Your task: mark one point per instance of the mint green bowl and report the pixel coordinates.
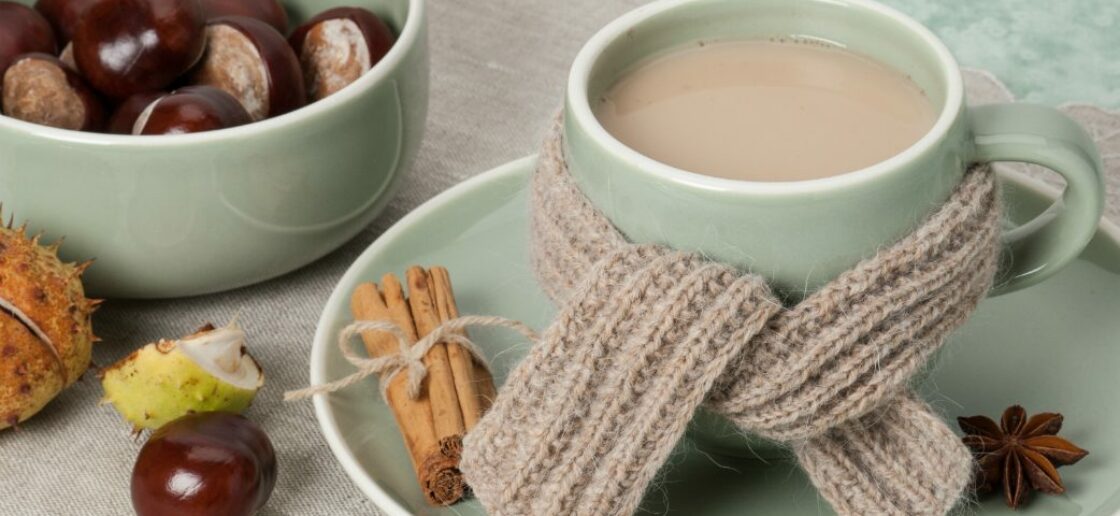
(172, 216)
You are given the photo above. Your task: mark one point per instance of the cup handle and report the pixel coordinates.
(1047, 137)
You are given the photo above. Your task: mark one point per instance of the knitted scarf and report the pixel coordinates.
(645, 335)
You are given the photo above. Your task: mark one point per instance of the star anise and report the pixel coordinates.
(1020, 453)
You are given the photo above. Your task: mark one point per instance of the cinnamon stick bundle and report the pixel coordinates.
(456, 391)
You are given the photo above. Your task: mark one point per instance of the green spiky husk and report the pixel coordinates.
(159, 383)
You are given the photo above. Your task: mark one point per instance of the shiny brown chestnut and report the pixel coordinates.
(41, 89)
(268, 11)
(124, 118)
(64, 16)
(338, 46)
(193, 109)
(124, 47)
(249, 59)
(205, 464)
(22, 30)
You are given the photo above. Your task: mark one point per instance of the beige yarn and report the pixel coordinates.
(410, 355)
(645, 335)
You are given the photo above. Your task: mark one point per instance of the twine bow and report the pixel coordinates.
(410, 357)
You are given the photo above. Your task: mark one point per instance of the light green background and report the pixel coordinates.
(1048, 51)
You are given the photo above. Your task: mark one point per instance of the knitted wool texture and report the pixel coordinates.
(645, 335)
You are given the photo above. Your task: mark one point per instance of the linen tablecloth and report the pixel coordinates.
(498, 73)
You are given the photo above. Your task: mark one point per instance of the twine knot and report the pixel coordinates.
(410, 355)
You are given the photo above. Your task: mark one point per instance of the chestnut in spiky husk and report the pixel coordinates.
(208, 371)
(337, 47)
(45, 330)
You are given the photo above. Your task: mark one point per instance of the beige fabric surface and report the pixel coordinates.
(498, 71)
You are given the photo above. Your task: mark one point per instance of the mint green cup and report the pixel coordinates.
(801, 234)
(171, 216)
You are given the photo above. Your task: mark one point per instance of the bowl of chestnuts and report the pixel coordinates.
(195, 146)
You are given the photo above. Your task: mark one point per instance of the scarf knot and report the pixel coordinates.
(646, 335)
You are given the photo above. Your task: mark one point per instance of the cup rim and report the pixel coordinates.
(392, 60)
(578, 106)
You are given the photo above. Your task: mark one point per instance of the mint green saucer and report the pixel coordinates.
(1054, 347)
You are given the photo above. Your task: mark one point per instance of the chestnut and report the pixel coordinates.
(249, 59)
(204, 464)
(268, 11)
(124, 47)
(124, 118)
(192, 109)
(64, 16)
(41, 89)
(338, 46)
(22, 30)
(67, 56)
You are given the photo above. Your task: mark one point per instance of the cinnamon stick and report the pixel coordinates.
(435, 463)
(473, 382)
(446, 413)
(456, 391)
